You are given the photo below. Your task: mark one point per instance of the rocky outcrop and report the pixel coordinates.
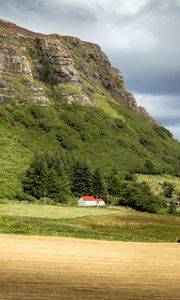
(36, 67)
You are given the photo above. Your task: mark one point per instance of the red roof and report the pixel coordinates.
(99, 200)
(88, 198)
(91, 198)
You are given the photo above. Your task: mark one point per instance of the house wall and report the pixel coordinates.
(101, 203)
(91, 203)
(81, 202)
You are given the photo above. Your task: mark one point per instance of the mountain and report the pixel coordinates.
(56, 67)
(60, 94)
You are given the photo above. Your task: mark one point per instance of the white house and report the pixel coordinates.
(90, 201)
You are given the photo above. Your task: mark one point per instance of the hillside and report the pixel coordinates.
(59, 94)
(156, 181)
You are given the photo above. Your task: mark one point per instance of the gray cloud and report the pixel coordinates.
(56, 16)
(149, 74)
(141, 38)
(164, 108)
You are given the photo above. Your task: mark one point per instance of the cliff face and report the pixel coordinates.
(39, 68)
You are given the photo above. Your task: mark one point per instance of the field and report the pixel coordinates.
(40, 268)
(49, 211)
(109, 223)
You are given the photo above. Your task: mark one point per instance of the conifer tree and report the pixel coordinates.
(99, 189)
(47, 177)
(58, 187)
(35, 182)
(82, 179)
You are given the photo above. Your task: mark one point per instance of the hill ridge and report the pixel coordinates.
(61, 53)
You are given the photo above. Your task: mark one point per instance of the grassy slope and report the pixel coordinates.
(102, 138)
(105, 223)
(155, 180)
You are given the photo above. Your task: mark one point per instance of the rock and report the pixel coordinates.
(32, 66)
(143, 111)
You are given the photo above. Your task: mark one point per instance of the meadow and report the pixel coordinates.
(109, 223)
(12, 208)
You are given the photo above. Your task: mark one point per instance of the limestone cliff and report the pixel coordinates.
(40, 68)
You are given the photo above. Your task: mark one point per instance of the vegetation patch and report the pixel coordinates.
(50, 212)
(116, 224)
(156, 181)
(103, 139)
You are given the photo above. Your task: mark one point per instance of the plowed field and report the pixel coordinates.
(64, 268)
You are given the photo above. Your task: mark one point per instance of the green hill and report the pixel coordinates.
(61, 95)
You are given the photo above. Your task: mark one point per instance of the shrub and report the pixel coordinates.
(168, 189)
(46, 200)
(139, 196)
(37, 112)
(118, 124)
(172, 208)
(3, 113)
(25, 197)
(22, 118)
(149, 167)
(162, 132)
(130, 177)
(144, 141)
(73, 120)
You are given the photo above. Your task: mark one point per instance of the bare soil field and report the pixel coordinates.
(65, 268)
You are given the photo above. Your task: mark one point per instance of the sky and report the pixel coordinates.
(140, 37)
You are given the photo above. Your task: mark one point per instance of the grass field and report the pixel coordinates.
(49, 211)
(116, 223)
(48, 268)
(155, 180)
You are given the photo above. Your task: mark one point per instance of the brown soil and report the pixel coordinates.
(17, 29)
(63, 268)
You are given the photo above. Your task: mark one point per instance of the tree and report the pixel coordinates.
(58, 187)
(82, 179)
(139, 196)
(46, 177)
(172, 208)
(113, 183)
(35, 181)
(99, 189)
(168, 189)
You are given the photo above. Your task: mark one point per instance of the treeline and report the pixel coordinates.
(57, 178)
(129, 192)
(60, 179)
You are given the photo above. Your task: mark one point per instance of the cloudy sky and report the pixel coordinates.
(141, 38)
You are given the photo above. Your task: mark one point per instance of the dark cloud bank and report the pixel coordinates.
(141, 38)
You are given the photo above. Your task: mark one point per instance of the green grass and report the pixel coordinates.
(155, 181)
(107, 223)
(103, 102)
(50, 211)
